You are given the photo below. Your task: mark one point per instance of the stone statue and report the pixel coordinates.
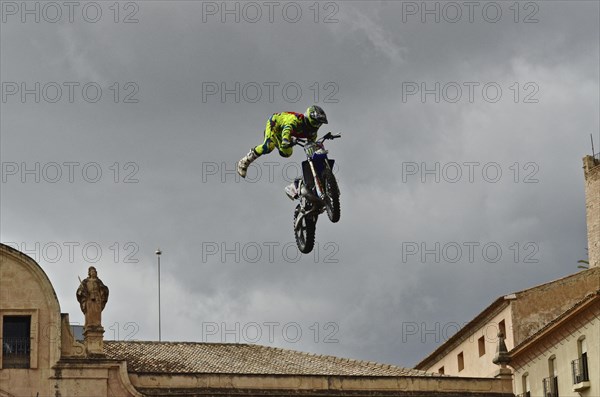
(92, 295)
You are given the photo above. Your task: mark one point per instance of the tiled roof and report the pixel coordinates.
(229, 358)
(590, 272)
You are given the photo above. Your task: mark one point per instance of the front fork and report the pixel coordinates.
(320, 193)
(317, 180)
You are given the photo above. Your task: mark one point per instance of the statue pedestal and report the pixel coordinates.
(94, 341)
(503, 373)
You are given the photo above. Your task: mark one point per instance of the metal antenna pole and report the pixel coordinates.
(158, 254)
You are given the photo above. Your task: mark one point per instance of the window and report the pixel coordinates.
(502, 327)
(579, 367)
(552, 365)
(551, 386)
(526, 386)
(16, 343)
(481, 342)
(551, 383)
(461, 361)
(441, 370)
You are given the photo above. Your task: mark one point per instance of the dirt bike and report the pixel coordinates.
(317, 192)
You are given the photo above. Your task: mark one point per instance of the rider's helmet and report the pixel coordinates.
(315, 116)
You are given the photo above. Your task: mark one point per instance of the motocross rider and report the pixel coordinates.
(281, 130)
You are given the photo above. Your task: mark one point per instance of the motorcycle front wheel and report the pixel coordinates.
(305, 233)
(332, 196)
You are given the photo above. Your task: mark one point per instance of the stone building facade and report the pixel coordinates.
(552, 330)
(518, 316)
(562, 359)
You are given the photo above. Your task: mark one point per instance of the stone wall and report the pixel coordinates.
(591, 168)
(536, 307)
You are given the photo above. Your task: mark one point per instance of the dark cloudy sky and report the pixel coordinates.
(463, 123)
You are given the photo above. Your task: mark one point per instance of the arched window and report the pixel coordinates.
(551, 382)
(581, 346)
(552, 365)
(525, 385)
(579, 366)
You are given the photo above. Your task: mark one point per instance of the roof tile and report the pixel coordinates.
(229, 358)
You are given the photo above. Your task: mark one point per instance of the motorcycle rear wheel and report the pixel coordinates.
(305, 234)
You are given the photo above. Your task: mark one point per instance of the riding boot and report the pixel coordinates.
(242, 165)
(292, 190)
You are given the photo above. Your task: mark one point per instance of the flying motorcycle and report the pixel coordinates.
(317, 192)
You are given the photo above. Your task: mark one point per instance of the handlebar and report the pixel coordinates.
(329, 135)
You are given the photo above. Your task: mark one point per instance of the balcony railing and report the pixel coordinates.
(527, 394)
(15, 352)
(580, 370)
(551, 386)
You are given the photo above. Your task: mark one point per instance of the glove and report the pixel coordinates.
(285, 143)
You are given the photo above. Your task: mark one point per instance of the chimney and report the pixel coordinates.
(591, 169)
